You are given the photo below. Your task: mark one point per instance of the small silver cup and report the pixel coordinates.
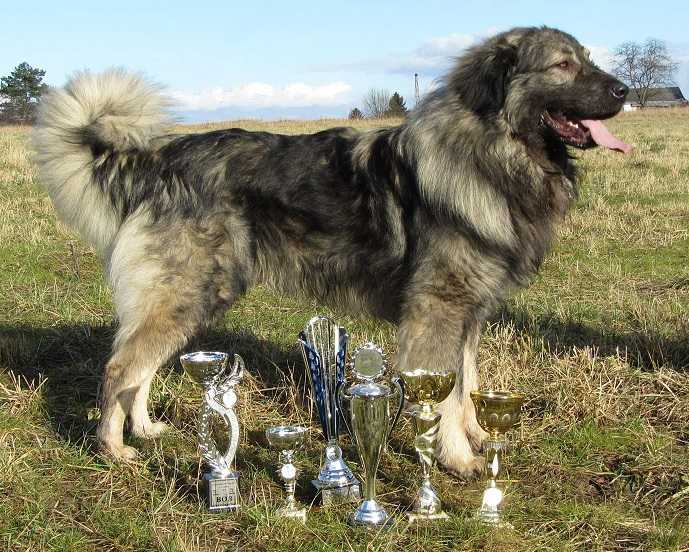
(287, 439)
(209, 370)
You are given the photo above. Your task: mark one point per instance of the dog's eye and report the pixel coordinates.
(563, 65)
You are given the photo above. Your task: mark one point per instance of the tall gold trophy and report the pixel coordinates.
(497, 412)
(424, 389)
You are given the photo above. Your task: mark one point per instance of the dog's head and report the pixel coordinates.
(545, 86)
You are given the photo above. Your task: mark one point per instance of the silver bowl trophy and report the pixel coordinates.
(324, 345)
(209, 370)
(287, 439)
(371, 424)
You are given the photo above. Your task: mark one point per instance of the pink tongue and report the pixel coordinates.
(603, 137)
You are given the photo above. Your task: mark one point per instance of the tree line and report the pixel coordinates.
(379, 103)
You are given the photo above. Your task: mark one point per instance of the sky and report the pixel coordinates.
(304, 59)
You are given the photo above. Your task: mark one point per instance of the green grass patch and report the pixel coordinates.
(599, 342)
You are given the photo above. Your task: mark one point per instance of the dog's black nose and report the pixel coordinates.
(619, 90)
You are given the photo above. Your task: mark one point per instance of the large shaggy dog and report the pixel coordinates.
(427, 224)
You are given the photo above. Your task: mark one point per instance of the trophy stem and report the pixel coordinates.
(427, 504)
(288, 473)
(491, 505)
(496, 412)
(370, 486)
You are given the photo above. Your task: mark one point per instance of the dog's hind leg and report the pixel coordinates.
(167, 283)
(142, 345)
(141, 424)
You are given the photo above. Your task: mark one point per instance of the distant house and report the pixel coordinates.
(670, 96)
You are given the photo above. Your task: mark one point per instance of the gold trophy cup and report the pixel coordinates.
(425, 389)
(497, 412)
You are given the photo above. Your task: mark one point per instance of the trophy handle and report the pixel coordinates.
(233, 441)
(399, 383)
(220, 398)
(237, 368)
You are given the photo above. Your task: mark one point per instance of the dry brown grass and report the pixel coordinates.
(599, 342)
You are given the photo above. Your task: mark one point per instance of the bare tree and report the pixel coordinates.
(644, 67)
(376, 103)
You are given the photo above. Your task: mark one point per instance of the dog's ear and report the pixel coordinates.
(482, 74)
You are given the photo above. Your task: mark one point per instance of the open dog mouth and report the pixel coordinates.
(583, 133)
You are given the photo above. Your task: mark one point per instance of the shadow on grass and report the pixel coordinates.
(70, 360)
(643, 350)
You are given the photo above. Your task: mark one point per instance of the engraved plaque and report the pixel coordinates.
(223, 494)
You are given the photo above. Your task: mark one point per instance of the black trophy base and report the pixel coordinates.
(222, 491)
(333, 496)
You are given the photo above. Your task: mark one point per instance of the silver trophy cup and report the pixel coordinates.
(324, 345)
(209, 370)
(372, 421)
(287, 439)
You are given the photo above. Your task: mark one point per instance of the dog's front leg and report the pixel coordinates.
(437, 330)
(458, 425)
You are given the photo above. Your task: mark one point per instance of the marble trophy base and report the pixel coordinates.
(222, 491)
(292, 513)
(333, 496)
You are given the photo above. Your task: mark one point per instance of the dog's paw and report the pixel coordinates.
(476, 437)
(464, 468)
(119, 453)
(150, 430)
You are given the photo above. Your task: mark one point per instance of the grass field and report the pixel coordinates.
(599, 343)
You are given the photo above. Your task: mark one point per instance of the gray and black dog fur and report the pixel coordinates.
(427, 224)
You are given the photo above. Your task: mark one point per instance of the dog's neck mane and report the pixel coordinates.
(486, 179)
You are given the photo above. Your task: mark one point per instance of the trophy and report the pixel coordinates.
(287, 439)
(496, 412)
(425, 389)
(371, 424)
(324, 345)
(208, 369)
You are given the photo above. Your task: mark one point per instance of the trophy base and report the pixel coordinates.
(492, 518)
(332, 496)
(222, 491)
(371, 515)
(421, 517)
(292, 513)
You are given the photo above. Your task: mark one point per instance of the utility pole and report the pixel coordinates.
(416, 89)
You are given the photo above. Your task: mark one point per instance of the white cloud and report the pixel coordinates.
(261, 95)
(601, 56)
(431, 58)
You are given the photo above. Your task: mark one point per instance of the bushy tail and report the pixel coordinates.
(111, 111)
